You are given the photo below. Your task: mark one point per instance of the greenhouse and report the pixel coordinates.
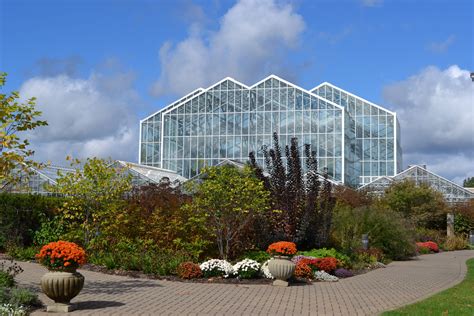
(354, 140)
(451, 191)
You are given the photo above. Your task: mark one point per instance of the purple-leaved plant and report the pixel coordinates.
(343, 273)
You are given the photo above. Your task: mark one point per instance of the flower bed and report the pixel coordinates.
(217, 268)
(430, 245)
(247, 269)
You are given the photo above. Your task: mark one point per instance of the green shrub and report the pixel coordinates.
(4, 295)
(21, 215)
(418, 203)
(387, 230)
(140, 256)
(6, 279)
(50, 230)
(424, 250)
(8, 273)
(257, 255)
(368, 256)
(456, 242)
(17, 297)
(24, 297)
(463, 224)
(22, 253)
(423, 234)
(324, 252)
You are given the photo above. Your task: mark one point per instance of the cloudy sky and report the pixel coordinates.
(97, 67)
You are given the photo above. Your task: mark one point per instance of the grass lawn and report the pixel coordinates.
(458, 300)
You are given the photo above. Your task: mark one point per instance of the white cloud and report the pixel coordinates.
(454, 167)
(441, 47)
(87, 117)
(253, 39)
(436, 112)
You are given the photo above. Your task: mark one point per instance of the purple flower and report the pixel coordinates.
(296, 259)
(343, 273)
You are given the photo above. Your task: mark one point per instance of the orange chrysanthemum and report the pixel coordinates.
(61, 255)
(283, 248)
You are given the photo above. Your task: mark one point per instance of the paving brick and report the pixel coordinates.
(401, 283)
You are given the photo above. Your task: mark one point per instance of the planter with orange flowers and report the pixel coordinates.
(281, 267)
(62, 283)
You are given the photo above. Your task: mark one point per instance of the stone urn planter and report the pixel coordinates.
(62, 287)
(62, 283)
(282, 268)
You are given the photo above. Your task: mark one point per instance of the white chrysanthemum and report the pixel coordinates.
(246, 265)
(324, 276)
(222, 266)
(265, 271)
(12, 310)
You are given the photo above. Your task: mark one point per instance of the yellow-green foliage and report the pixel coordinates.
(420, 203)
(15, 117)
(229, 198)
(387, 230)
(94, 195)
(457, 242)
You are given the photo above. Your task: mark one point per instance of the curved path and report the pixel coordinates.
(401, 283)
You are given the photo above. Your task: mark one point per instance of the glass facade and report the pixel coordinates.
(373, 133)
(451, 191)
(38, 181)
(354, 140)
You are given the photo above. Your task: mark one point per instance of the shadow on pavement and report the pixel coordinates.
(97, 304)
(115, 287)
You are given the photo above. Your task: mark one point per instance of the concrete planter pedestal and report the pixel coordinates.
(61, 287)
(282, 268)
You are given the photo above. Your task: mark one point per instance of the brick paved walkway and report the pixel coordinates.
(399, 284)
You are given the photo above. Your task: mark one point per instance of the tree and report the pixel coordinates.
(302, 210)
(230, 199)
(15, 118)
(94, 195)
(420, 203)
(468, 183)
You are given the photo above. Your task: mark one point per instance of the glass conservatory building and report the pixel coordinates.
(355, 140)
(452, 192)
(42, 181)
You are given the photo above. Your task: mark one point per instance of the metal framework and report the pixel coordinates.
(354, 140)
(39, 181)
(451, 191)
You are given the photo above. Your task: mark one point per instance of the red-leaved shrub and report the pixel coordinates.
(312, 263)
(431, 245)
(327, 264)
(189, 270)
(303, 271)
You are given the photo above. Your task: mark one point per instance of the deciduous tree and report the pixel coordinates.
(93, 196)
(230, 199)
(419, 203)
(16, 117)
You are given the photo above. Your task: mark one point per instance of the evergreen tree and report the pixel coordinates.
(468, 183)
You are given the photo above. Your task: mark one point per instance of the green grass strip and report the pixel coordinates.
(458, 300)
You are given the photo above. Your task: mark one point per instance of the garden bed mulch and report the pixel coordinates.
(141, 275)
(217, 280)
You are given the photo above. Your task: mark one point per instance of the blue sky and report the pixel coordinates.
(84, 59)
